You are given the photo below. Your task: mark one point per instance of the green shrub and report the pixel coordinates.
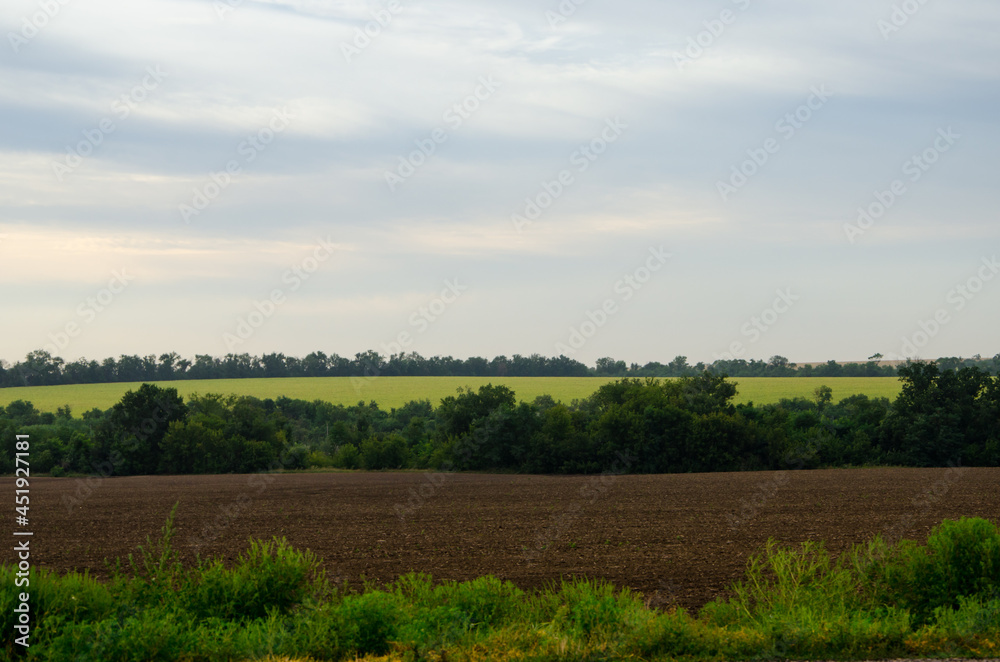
(370, 621)
(484, 601)
(961, 559)
(974, 615)
(268, 576)
(443, 614)
(152, 579)
(319, 459)
(347, 457)
(319, 633)
(488, 601)
(296, 457)
(72, 596)
(673, 633)
(152, 635)
(787, 584)
(389, 452)
(590, 608)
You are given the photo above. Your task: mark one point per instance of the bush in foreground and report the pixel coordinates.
(876, 600)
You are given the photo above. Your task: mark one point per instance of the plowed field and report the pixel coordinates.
(678, 539)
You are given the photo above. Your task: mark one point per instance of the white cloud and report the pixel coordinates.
(74, 257)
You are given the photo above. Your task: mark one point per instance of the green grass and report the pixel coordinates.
(874, 601)
(391, 392)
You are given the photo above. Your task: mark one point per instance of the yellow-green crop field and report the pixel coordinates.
(391, 392)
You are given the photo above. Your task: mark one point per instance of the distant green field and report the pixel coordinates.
(391, 392)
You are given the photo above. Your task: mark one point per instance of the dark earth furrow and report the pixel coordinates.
(678, 539)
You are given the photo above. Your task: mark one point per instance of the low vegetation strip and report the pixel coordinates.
(394, 392)
(876, 600)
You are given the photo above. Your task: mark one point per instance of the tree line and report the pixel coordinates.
(40, 368)
(629, 425)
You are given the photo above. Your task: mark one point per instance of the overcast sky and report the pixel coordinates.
(629, 179)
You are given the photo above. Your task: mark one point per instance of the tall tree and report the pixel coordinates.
(131, 434)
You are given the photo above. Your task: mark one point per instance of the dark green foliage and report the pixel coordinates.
(347, 457)
(370, 621)
(630, 425)
(387, 452)
(672, 426)
(942, 416)
(41, 368)
(22, 413)
(131, 435)
(457, 413)
(961, 560)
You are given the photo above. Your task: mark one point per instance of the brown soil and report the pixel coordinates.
(678, 539)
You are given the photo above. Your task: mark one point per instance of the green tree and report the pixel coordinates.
(823, 395)
(607, 366)
(679, 367)
(22, 413)
(939, 416)
(40, 368)
(135, 427)
(456, 414)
